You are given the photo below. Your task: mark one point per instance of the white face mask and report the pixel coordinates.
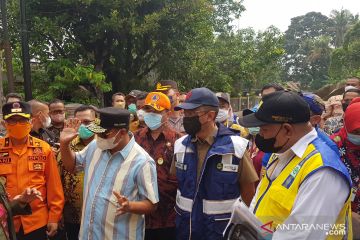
(140, 113)
(47, 122)
(222, 116)
(107, 143)
(349, 87)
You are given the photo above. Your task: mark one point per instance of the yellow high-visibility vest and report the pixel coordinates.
(275, 199)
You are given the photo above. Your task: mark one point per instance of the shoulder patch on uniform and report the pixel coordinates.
(240, 145)
(179, 146)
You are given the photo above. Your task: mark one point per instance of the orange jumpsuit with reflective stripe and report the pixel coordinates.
(33, 165)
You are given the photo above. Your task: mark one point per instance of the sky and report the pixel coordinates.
(260, 14)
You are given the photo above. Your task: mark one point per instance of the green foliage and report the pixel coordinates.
(77, 83)
(308, 46)
(234, 62)
(345, 61)
(343, 20)
(84, 48)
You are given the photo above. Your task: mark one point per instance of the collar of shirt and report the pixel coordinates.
(300, 146)
(126, 150)
(175, 120)
(209, 140)
(297, 149)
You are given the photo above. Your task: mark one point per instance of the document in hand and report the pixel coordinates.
(244, 225)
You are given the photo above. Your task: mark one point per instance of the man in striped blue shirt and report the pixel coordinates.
(120, 183)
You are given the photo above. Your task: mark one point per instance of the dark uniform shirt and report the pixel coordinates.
(55, 133)
(162, 151)
(46, 136)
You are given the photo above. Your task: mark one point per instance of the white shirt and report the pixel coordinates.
(319, 200)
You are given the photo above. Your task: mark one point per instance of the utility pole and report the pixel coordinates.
(25, 52)
(7, 48)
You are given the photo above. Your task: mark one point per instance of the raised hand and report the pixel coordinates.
(70, 130)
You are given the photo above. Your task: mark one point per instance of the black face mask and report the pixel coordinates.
(344, 106)
(267, 145)
(192, 125)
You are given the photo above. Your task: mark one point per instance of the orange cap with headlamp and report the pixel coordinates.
(157, 100)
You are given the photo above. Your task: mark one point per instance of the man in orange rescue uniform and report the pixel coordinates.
(26, 161)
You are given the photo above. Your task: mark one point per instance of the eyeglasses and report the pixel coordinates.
(21, 121)
(57, 112)
(87, 122)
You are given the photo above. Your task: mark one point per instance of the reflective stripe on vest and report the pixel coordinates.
(209, 206)
(218, 207)
(183, 202)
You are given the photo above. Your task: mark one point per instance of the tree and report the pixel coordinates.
(345, 61)
(225, 11)
(343, 20)
(127, 40)
(303, 35)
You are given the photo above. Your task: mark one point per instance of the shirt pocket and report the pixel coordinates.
(283, 199)
(5, 169)
(36, 170)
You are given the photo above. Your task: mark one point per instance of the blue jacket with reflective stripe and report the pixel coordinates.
(218, 183)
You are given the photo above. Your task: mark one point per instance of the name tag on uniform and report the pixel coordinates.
(181, 166)
(228, 167)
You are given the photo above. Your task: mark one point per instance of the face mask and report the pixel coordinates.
(344, 106)
(192, 125)
(119, 105)
(18, 131)
(267, 145)
(132, 108)
(47, 122)
(222, 116)
(354, 139)
(153, 120)
(85, 133)
(58, 118)
(349, 87)
(140, 113)
(107, 143)
(254, 130)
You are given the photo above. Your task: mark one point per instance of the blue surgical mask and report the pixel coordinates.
(153, 120)
(354, 139)
(254, 130)
(84, 132)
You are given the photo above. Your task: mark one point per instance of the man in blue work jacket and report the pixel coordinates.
(212, 167)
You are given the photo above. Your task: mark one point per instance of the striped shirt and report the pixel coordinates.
(132, 172)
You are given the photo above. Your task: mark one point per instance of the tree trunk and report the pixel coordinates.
(1, 82)
(7, 48)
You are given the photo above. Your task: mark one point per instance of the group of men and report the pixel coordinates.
(167, 165)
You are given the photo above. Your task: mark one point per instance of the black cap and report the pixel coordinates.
(110, 117)
(278, 107)
(16, 108)
(199, 97)
(133, 93)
